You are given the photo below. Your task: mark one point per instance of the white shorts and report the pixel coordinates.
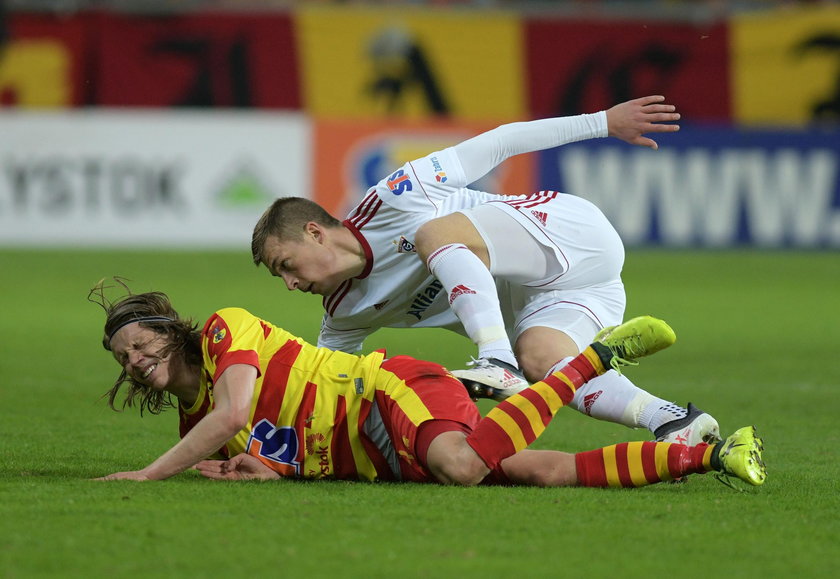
(579, 313)
(557, 262)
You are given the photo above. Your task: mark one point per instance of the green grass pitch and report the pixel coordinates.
(757, 344)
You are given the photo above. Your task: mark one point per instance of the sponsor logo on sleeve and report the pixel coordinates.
(399, 183)
(440, 174)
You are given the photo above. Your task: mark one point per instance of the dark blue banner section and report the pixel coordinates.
(710, 187)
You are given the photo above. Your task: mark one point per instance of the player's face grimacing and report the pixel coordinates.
(306, 265)
(137, 350)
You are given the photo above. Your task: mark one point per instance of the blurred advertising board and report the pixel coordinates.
(786, 66)
(710, 187)
(577, 66)
(125, 179)
(404, 63)
(231, 60)
(351, 156)
(42, 61)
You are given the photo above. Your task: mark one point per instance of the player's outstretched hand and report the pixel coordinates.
(629, 121)
(240, 467)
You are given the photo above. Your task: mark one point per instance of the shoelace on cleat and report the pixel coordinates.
(616, 362)
(630, 344)
(724, 477)
(478, 362)
(727, 479)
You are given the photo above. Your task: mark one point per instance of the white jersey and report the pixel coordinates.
(396, 289)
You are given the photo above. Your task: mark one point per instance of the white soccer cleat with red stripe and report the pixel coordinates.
(691, 430)
(491, 378)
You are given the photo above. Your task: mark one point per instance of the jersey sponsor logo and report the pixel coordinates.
(440, 174)
(399, 183)
(323, 454)
(589, 400)
(424, 299)
(276, 446)
(312, 440)
(218, 334)
(541, 216)
(459, 290)
(405, 246)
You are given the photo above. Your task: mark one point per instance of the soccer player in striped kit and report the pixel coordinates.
(272, 406)
(538, 275)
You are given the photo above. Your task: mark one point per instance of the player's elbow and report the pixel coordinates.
(232, 421)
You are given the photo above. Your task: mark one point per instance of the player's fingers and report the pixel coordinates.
(649, 100)
(216, 472)
(207, 465)
(662, 117)
(212, 468)
(645, 142)
(658, 108)
(659, 128)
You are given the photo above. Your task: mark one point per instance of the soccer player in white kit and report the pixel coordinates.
(539, 275)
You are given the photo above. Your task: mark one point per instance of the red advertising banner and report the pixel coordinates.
(43, 61)
(578, 67)
(197, 60)
(350, 156)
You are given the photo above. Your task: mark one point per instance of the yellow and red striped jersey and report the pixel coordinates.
(309, 403)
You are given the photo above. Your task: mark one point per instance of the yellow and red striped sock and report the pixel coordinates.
(516, 422)
(636, 464)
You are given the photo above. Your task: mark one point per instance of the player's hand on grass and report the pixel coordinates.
(630, 120)
(129, 475)
(240, 467)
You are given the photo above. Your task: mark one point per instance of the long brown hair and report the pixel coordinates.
(152, 310)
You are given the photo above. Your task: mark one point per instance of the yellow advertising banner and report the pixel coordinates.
(410, 63)
(786, 66)
(36, 73)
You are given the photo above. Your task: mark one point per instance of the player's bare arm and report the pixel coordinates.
(234, 391)
(630, 120)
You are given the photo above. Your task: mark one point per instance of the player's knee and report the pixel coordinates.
(534, 367)
(464, 473)
(428, 238)
(539, 349)
(452, 461)
(452, 228)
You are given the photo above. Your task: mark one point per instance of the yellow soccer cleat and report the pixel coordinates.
(635, 339)
(739, 456)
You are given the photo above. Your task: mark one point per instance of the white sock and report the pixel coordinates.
(661, 412)
(614, 398)
(473, 298)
